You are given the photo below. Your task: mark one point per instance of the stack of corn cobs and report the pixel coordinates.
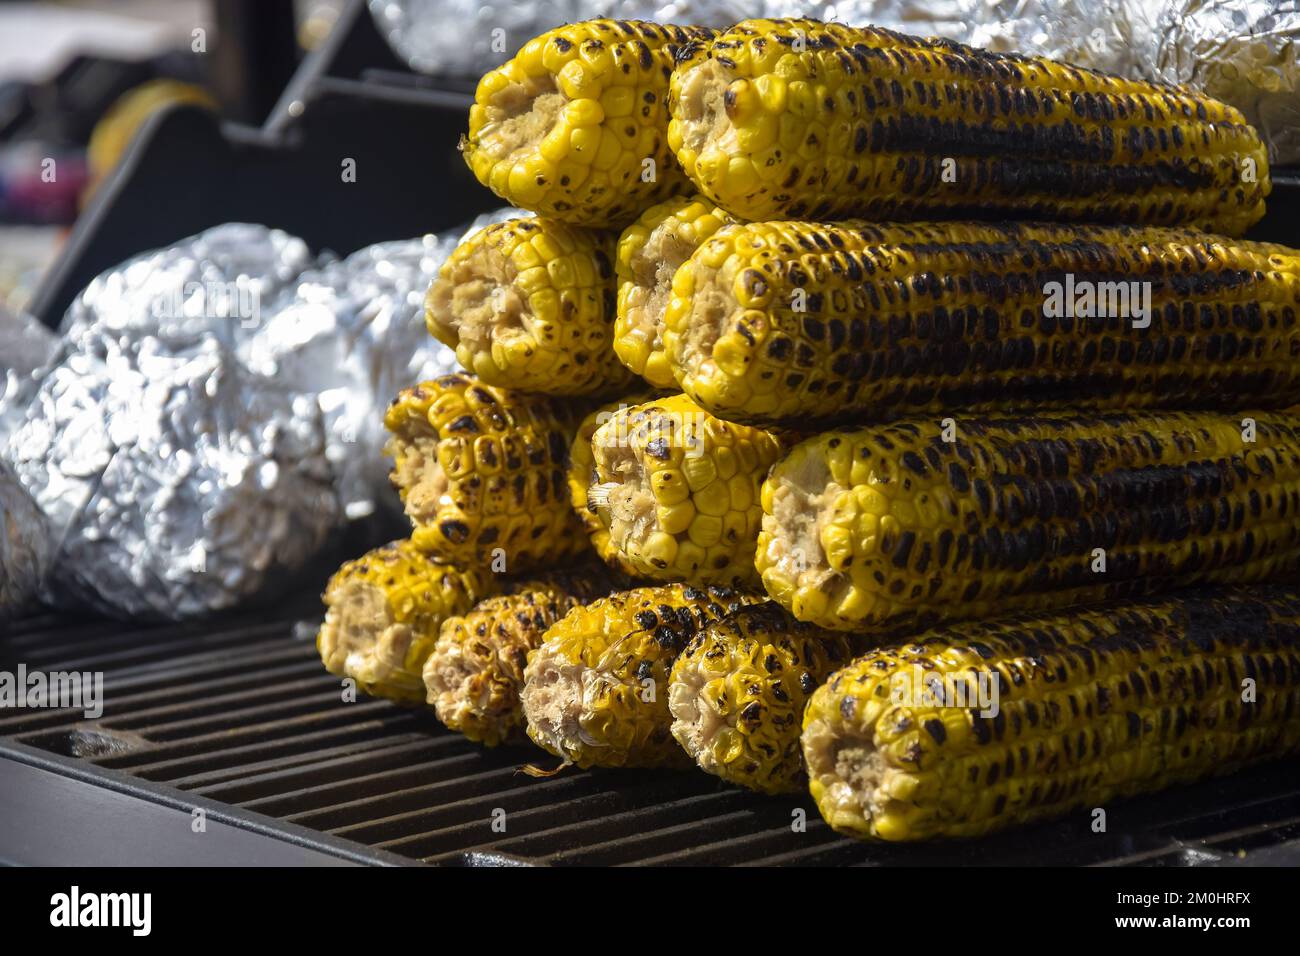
(860, 413)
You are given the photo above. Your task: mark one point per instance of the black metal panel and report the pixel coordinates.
(237, 716)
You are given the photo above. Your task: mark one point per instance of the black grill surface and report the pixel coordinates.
(240, 712)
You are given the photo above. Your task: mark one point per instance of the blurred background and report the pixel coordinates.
(79, 78)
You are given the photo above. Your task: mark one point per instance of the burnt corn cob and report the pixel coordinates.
(595, 691)
(976, 727)
(575, 126)
(919, 522)
(649, 252)
(786, 322)
(796, 119)
(476, 670)
(738, 690)
(482, 472)
(582, 474)
(677, 490)
(383, 612)
(529, 304)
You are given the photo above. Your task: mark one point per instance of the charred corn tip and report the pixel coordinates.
(677, 490)
(383, 611)
(797, 119)
(476, 670)
(975, 727)
(649, 252)
(573, 127)
(527, 304)
(481, 472)
(737, 695)
(792, 322)
(581, 475)
(920, 521)
(595, 691)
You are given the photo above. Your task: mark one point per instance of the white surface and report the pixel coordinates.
(38, 39)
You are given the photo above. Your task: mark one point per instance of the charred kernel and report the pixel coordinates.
(475, 672)
(755, 667)
(414, 592)
(468, 496)
(903, 538)
(565, 102)
(602, 643)
(1037, 767)
(840, 360)
(514, 297)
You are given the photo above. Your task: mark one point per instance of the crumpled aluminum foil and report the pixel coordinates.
(217, 283)
(24, 545)
(26, 349)
(1244, 52)
(466, 38)
(176, 482)
(353, 334)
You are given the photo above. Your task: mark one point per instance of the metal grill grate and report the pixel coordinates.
(240, 712)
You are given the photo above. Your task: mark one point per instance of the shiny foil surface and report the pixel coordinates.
(1244, 52)
(26, 349)
(176, 482)
(24, 545)
(217, 283)
(352, 333)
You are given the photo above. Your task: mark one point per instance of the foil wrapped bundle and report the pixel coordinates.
(24, 545)
(1244, 52)
(26, 349)
(352, 333)
(176, 482)
(466, 38)
(216, 283)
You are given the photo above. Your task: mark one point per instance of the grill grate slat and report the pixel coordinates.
(240, 711)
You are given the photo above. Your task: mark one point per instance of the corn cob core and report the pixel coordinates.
(481, 472)
(796, 119)
(476, 671)
(649, 252)
(529, 304)
(738, 691)
(383, 611)
(574, 126)
(677, 489)
(1091, 705)
(896, 525)
(595, 691)
(796, 322)
(582, 474)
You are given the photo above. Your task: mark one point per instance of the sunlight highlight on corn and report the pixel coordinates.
(797, 119)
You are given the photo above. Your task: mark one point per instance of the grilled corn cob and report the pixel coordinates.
(574, 127)
(737, 694)
(582, 473)
(529, 304)
(649, 252)
(476, 671)
(796, 119)
(481, 472)
(677, 490)
(979, 726)
(896, 525)
(383, 611)
(595, 691)
(785, 322)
